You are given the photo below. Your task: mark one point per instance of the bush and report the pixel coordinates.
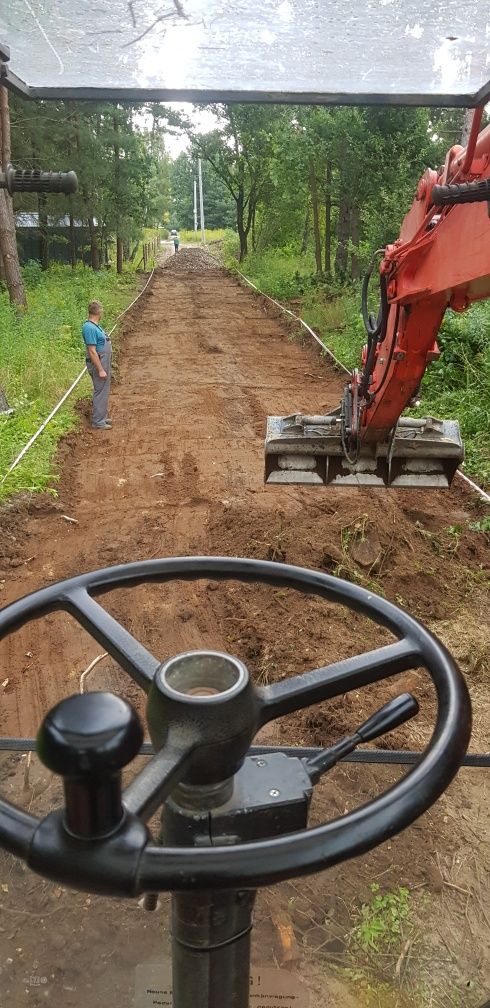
(32, 273)
(280, 273)
(229, 249)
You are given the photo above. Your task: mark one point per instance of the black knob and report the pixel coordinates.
(87, 739)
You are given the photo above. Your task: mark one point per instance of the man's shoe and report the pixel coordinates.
(103, 426)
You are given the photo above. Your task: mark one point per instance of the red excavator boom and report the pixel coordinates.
(440, 260)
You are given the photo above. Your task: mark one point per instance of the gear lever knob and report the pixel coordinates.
(87, 739)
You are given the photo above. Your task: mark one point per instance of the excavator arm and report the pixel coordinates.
(440, 260)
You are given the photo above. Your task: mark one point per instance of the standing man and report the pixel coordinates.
(98, 359)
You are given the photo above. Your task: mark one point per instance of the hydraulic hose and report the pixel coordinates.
(375, 328)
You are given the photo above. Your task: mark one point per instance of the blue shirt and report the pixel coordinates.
(93, 335)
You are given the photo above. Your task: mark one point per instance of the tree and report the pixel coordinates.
(353, 172)
(219, 205)
(240, 151)
(315, 210)
(8, 244)
(119, 155)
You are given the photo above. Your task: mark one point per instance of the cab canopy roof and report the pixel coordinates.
(415, 52)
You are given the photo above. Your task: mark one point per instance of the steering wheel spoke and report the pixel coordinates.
(132, 656)
(149, 789)
(340, 677)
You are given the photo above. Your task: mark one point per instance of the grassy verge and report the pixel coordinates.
(41, 353)
(212, 235)
(455, 387)
(137, 260)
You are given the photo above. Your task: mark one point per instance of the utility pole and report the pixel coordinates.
(201, 203)
(195, 205)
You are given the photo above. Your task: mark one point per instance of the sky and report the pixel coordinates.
(204, 119)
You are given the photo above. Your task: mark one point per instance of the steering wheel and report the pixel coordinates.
(203, 712)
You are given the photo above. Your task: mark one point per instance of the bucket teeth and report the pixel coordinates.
(308, 450)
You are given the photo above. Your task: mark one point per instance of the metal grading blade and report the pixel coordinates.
(308, 450)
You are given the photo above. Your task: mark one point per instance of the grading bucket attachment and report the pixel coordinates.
(309, 449)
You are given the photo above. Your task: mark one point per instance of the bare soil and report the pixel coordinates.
(202, 363)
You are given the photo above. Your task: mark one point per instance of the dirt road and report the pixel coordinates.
(202, 362)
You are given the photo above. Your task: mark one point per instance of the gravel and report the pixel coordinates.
(191, 260)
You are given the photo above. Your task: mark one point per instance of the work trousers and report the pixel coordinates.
(102, 386)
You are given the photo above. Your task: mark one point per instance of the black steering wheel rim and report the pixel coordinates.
(262, 863)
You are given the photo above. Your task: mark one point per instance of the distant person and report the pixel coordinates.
(98, 359)
(176, 240)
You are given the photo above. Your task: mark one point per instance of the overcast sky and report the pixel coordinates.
(202, 118)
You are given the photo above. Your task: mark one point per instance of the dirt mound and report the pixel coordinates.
(413, 567)
(191, 260)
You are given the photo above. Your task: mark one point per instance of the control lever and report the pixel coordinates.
(87, 739)
(393, 714)
(15, 181)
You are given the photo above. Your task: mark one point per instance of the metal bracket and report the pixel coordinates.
(271, 797)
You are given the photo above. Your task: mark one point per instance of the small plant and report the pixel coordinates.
(453, 534)
(382, 921)
(33, 273)
(483, 525)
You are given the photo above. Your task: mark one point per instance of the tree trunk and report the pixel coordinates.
(306, 232)
(355, 235)
(43, 232)
(8, 247)
(73, 243)
(119, 243)
(342, 238)
(242, 233)
(8, 244)
(5, 125)
(316, 219)
(94, 248)
(119, 253)
(328, 219)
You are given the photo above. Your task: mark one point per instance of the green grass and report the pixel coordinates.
(137, 260)
(212, 235)
(41, 353)
(455, 387)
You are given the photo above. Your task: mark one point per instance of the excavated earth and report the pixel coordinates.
(202, 362)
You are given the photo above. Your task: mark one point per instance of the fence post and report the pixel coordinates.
(145, 258)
